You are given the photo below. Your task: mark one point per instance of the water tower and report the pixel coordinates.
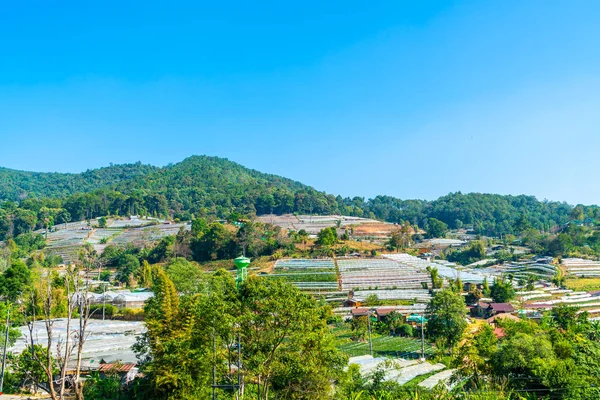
(241, 263)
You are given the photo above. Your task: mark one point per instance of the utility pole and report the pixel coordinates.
(5, 346)
(422, 341)
(103, 299)
(239, 366)
(369, 327)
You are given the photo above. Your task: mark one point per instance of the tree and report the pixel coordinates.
(288, 344)
(186, 276)
(401, 237)
(395, 321)
(102, 222)
(327, 237)
(436, 228)
(560, 245)
(502, 291)
(564, 316)
(359, 327)
(446, 312)
(436, 281)
(14, 280)
(486, 287)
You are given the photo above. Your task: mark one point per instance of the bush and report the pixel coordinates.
(131, 314)
(405, 330)
(109, 310)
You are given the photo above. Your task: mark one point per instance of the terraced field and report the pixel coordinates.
(317, 275)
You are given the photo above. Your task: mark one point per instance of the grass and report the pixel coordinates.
(383, 345)
(583, 284)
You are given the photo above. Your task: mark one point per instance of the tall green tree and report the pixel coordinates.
(446, 312)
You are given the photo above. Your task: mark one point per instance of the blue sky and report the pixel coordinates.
(413, 99)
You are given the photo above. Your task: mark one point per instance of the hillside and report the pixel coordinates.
(17, 185)
(212, 186)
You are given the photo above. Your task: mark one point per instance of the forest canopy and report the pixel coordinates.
(216, 187)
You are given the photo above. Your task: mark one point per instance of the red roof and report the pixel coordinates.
(115, 367)
(499, 332)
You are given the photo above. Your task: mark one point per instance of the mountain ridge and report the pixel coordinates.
(208, 185)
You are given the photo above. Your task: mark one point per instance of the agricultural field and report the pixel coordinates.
(581, 267)
(383, 345)
(317, 275)
(363, 228)
(67, 239)
(583, 284)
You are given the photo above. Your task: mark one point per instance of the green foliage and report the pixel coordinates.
(446, 312)
(107, 387)
(186, 276)
(14, 280)
(436, 228)
(287, 347)
(327, 237)
(475, 251)
(26, 368)
(211, 186)
(502, 291)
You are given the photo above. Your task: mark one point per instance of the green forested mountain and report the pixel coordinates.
(212, 186)
(18, 185)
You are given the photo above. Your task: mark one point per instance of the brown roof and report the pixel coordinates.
(503, 316)
(360, 311)
(502, 307)
(483, 305)
(499, 332)
(115, 367)
(382, 312)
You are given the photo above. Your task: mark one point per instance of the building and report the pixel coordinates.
(353, 302)
(499, 308)
(383, 313)
(487, 310)
(360, 312)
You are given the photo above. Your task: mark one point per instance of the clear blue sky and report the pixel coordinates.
(413, 99)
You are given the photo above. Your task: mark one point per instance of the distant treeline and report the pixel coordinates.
(215, 187)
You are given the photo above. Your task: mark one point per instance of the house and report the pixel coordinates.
(360, 312)
(127, 372)
(480, 310)
(353, 302)
(487, 310)
(383, 312)
(499, 308)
